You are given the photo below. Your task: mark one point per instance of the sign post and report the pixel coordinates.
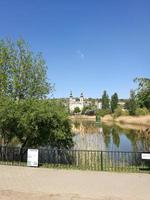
(32, 158)
(145, 156)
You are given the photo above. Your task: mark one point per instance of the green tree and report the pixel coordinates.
(143, 92)
(22, 73)
(77, 110)
(131, 104)
(8, 120)
(120, 112)
(35, 123)
(105, 100)
(114, 101)
(102, 112)
(142, 111)
(24, 113)
(89, 110)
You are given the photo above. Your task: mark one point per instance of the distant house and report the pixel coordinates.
(99, 105)
(76, 102)
(122, 104)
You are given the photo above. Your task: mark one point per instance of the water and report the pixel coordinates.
(92, 136)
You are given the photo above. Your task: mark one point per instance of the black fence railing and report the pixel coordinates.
(79, 159)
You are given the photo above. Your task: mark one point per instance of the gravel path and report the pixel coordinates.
(23, 183)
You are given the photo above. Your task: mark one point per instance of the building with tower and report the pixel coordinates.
(76, 102)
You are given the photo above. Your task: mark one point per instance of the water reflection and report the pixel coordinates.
(92, 136)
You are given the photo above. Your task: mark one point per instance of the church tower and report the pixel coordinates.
(70, 101)
(81, 98)
(70, 98)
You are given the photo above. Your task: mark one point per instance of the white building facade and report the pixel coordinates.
(76, 102)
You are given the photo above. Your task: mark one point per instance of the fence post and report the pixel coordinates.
(13, 156)
(101, 160)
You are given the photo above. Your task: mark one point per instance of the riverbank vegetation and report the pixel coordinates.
(129, 110)
(138, 104)
(25, 112)
(135, 120)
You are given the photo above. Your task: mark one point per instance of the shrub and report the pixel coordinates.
(120, 112)
(142, 111)
(35, 123)
(89, 110)
(77, 110)
(103, 112)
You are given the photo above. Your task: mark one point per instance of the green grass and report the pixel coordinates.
(127, 169)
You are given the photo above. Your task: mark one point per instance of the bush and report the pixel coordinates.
(103, 112)
(35, 123)
(77, 110)
(142, 111)
(89, 110)
(120, 112)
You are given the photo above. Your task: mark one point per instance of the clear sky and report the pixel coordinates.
(89, 45)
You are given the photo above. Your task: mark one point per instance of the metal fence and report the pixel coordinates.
(78, 159)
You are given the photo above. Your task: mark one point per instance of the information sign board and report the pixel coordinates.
(146, 156)
(32, 158)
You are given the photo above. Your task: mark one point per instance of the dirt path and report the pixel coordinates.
(22, 183)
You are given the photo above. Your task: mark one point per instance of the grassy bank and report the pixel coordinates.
(136, 120)
(83, 117)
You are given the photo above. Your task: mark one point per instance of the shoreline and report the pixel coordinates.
(131, 120)
(82, 117)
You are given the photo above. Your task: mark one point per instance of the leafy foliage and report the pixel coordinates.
(8, 119)
(105, 100)
(114, 102)
(102, 112)
(131, 104)
(22, 73)
(77, 110)
(143, 92)
(35, 123)
(142, 111)
(89, 110)
(24, 112)
(120, 112)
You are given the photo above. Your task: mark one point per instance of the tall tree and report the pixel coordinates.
(23, 115)
(143, 92)
(131, 104)
(22, 73)
(114, 101)
(105, 100)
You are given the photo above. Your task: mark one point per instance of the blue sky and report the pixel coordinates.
(89, 45)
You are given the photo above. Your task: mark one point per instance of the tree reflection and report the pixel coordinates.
(144, 137)
(139, 139)
(83, 127)
(111, 134)
(115, 136)
(133, 137)
(106, 135)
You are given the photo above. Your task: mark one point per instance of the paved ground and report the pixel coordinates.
(22, 183)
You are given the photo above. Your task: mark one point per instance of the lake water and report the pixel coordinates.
(90, 135)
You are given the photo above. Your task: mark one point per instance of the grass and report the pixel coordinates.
(109, 168)
(137, 120)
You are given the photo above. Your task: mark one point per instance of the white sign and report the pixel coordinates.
(146, 156)
(32, 158)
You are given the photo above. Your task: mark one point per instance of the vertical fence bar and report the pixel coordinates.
(101, 160)
(79, 159)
